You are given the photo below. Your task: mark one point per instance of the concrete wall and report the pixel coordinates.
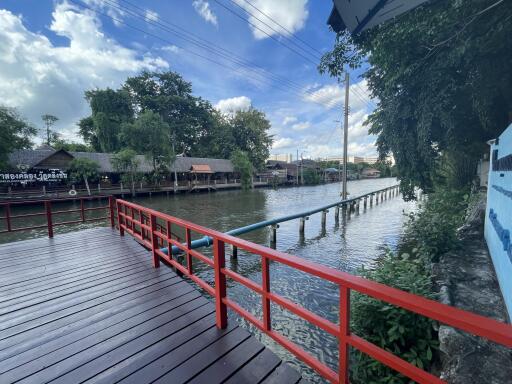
(498, 218)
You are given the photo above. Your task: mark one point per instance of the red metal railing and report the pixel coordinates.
(50, 213)
(154, 234)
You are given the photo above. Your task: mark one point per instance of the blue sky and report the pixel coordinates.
(51, 51)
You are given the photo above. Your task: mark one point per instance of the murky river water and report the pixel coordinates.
(346, 247)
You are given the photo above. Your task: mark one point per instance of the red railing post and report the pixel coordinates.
(265, 277)
(169, 237)
(220, 283)
(189, 246)
(111, 203)
(8, 216)
(48, 209)
(82, 211)
(120, 220)
(343, 363)
(154, 240)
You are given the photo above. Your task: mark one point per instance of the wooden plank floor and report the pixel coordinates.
(89, 307)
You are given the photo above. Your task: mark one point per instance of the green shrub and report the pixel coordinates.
(433, 230)
(401, 332)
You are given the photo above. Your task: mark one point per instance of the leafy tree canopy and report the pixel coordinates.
(148, 135)
(442, 76)
(15, 133)
(154, 111)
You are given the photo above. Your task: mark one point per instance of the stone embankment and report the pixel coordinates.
(466, 279)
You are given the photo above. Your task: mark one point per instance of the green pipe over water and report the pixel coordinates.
(207, 241)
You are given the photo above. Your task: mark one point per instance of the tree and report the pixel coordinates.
(49, 120)
(148, 135)
(126, 162)
(249, 130)
(84, 169)
(110, 110)
(71, 146)
(242, 165)
(169, 95)
(15, 133)
(441, 74)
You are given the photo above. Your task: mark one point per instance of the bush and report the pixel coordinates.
(401, 332)
(429, 233)
(433, 230)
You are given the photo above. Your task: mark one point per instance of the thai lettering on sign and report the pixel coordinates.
(27, 177)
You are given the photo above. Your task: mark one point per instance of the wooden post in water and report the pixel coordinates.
(365, 203)
(302, 226)
(357, 206)
(349, 210)
(273, 236)
(337, 214)
(234, 251)
(324, 219)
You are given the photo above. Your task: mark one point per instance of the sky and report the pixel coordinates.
(235, 56)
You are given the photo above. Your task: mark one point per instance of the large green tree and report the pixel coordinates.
(148, 135)
(168, 94)
(249, 132)
(110, 110)
(441, 75)
(15, 133)
(126, 162)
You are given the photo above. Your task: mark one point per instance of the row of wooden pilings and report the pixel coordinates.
(347, 208)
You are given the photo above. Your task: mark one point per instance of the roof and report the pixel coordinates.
(357, 16)
(31, 158)
(201, 168)
(331, 170)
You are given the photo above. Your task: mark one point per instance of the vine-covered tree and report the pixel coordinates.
(15, 133)
(110, 110)
(441, 75)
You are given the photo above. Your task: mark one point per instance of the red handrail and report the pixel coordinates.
(49, 213)
(154, 238)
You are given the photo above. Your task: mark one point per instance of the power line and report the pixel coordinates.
(273, 29)
(313, 98)
(265, 32)
(284, 28)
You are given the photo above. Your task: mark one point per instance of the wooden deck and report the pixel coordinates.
(89, 307)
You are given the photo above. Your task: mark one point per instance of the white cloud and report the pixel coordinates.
(283, 142)
(334, 95)
(38, 77)
(301, 126)
(170, 48)
(111, 8)
(290, 14)
(289, 119)
(202, 7)
(240, 103)
(151, 16)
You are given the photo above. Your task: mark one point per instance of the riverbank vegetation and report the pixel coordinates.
(429, 233)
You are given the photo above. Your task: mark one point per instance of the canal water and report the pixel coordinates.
(347, 246)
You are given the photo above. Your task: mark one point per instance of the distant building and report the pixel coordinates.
(286, 157)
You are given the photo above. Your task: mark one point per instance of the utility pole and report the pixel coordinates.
(173, 139)
(345, 139)
(301, 169)
(297, 167)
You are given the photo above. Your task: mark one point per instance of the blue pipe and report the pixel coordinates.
(207, 241)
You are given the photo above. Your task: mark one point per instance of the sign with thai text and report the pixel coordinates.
(27, 177)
